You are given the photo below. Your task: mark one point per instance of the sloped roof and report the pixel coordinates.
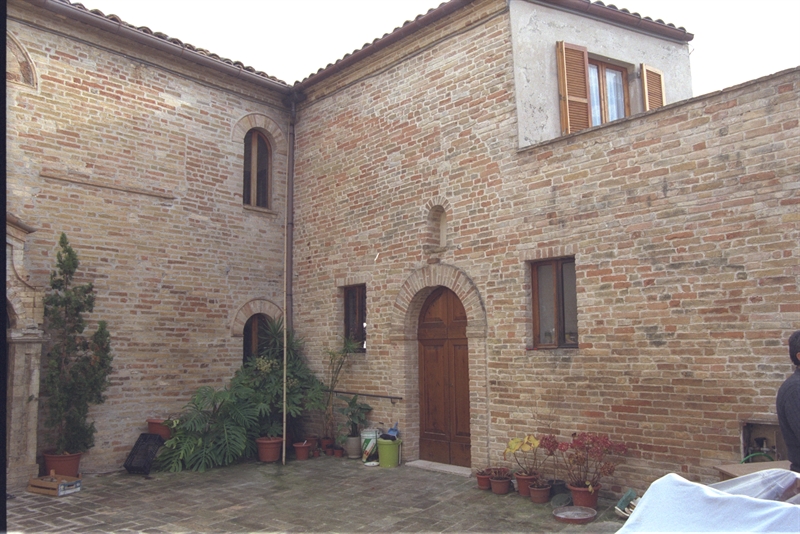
(164, 42)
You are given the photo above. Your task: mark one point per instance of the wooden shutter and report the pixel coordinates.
(652, 87)
(573, 87)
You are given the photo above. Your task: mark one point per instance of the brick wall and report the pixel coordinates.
(138, 159)
(683, 223)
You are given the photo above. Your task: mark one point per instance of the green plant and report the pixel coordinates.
(355, 414)
(264, 376)
(77, 368)
(214, 429)
(526, 453)
(336, 362)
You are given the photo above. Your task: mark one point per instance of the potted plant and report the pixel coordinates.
(336, 362)
(485, 475)
(77, 368)
(586, 462)
(500, 481)
(526, 453)
(263, 375)
(355, 418)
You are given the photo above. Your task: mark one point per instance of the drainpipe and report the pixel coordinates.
(288, 256)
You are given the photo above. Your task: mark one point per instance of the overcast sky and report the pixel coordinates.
(735, 40)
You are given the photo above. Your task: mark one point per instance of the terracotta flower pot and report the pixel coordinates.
(269, 449)
(539, 495)
(339, 453)
(581, 496)
(301, 450)
(156, 426)
(523, 483)
(483, 482)
(63, 464)
(500, 486)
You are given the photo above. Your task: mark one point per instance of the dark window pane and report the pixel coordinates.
(248, 142)
(355, 314)
(570, 311)
(263, 167)
(547, 303)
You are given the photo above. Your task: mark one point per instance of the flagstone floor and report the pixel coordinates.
(320, 495)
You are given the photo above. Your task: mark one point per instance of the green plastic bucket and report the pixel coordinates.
(388, 452)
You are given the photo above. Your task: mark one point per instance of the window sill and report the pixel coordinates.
(257, 209)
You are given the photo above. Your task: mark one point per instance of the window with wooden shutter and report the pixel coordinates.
(652, 87)
(573, 87)
(256, 179)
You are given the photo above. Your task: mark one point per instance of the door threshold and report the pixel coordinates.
(441, 468)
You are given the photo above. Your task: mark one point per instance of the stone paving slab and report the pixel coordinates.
(320, 495)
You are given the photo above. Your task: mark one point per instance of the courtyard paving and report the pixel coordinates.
(320, 495)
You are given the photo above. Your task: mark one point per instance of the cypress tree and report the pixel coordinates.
(77, 367)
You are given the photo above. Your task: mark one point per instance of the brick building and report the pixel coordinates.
(515, 256)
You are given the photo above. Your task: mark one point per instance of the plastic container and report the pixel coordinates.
(369, 450)
(389, 452)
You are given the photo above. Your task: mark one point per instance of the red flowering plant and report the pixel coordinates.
(552, 447)
(585, 459)
(526, 454)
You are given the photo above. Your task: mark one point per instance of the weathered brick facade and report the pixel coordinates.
(139, 162)
(683, 223)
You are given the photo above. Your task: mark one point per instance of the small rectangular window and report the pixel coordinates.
(555, 303)
(355, 314)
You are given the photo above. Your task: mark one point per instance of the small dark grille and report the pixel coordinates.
(143, 453)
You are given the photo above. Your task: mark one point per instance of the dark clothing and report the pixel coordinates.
(788, 404)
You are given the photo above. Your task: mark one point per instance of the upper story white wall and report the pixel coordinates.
(535, 29)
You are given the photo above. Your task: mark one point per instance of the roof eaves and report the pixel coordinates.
(409, 27)
(623, 17)
(162, 42)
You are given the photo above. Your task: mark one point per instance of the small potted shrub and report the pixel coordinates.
(586, 462)
(526, 453)
(485, 475)
(337, 359)
(500, 480)
(355, 414)
(77, 368)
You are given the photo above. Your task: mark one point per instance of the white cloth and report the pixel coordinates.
(674, 504)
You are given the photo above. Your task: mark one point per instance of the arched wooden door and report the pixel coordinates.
(444, 380)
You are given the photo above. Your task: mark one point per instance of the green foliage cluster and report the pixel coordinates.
(355, 414)
(264, 375)
(214, 429)
(336, 363)
(219, 427)
(77, 368)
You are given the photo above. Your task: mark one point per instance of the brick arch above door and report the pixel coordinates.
(420, 284)
(252, 307)
(403, 337)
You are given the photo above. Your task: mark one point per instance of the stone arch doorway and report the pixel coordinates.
(404, 321)
(444, 380)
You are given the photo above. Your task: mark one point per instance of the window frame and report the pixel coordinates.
(256, 193)
(558, 304)
(251, 339)
(602, 66)
(358, 331)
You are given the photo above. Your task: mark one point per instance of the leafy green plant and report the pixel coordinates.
(215, 429)
(355, 414)
(264, 375)
(77, 368)
(336, 362)
(219, 427)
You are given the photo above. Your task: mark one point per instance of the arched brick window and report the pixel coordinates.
(257, 162)
(256, 336)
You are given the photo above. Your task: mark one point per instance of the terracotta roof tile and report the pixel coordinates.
(175, 41)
